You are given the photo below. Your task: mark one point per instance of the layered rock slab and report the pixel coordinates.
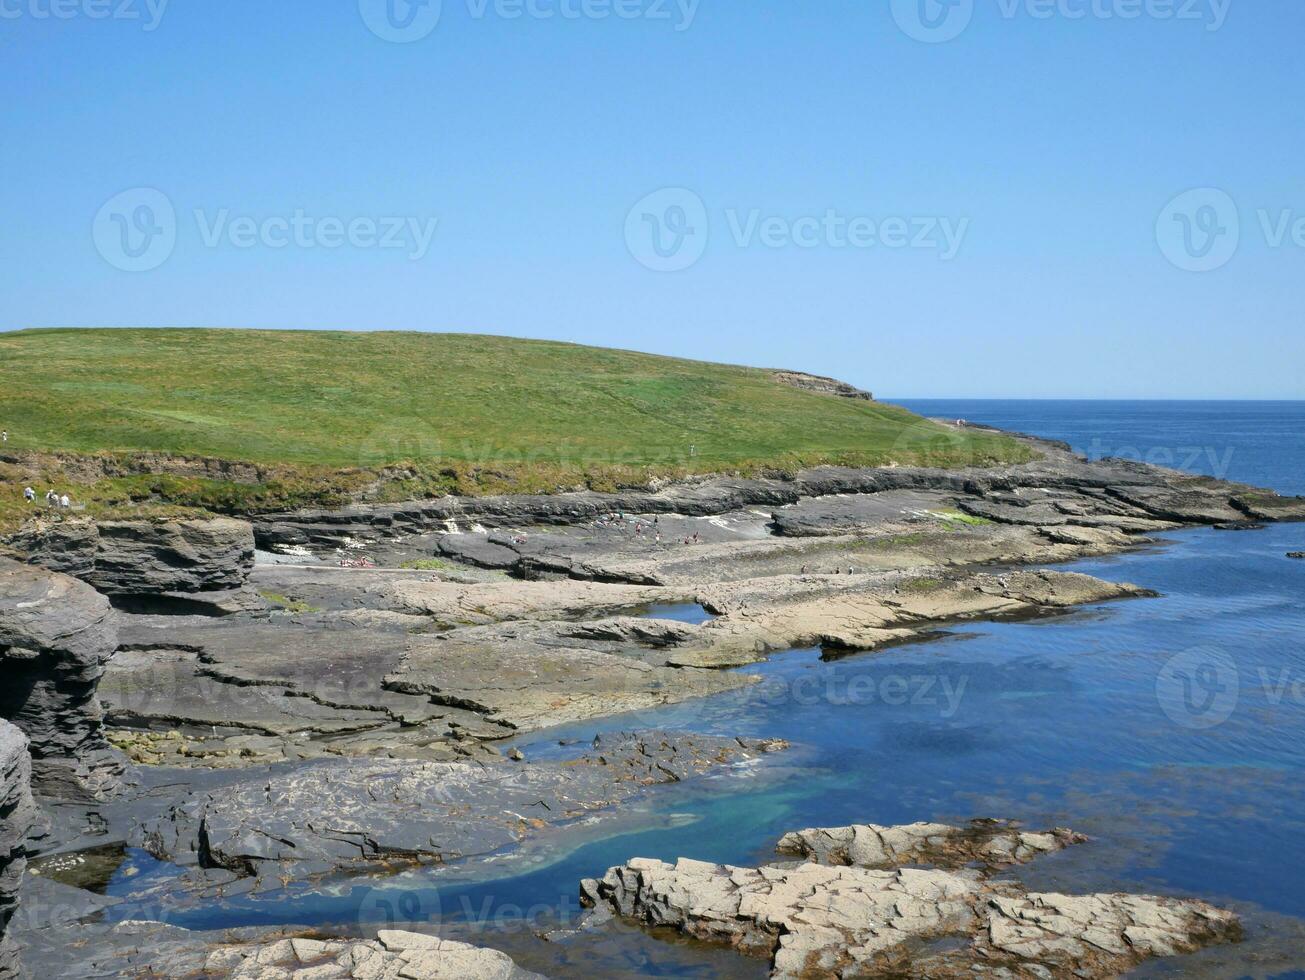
(392, 955)
(56, 636)
(321, 817)
(991, 843)
(17, 816)
(820, 921)
(197, 565)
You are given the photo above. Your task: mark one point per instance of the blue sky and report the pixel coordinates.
(988, 215)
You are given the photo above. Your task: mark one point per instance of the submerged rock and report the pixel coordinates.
(393, 954)
(993, 843)
(814, 920)
(17, 815)
(56, 635)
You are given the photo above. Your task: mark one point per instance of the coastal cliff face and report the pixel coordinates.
(191, 565)
(56, 636)
(17, 815)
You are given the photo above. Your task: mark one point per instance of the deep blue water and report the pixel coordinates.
(1171, 730)
(1255, 442)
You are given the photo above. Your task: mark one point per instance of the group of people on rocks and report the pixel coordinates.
(52, 498)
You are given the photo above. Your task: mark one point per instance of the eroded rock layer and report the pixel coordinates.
(56, 636)
(814, 920)
(17, 816)
(392, 955)
(199, 565)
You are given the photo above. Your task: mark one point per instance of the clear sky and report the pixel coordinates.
(850, 193)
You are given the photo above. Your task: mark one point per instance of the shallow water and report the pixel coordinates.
(1171, 730)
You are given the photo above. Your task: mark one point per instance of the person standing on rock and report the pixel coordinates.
(29, 495)
(64, 502)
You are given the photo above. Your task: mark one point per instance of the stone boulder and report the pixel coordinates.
(56, 636)
(17, 815)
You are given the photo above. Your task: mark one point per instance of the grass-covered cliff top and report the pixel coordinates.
(330, 415)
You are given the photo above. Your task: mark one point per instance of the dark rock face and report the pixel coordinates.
(17, 815)
(1109, 492)
(350, 814)
(192, 566)
(56, 635)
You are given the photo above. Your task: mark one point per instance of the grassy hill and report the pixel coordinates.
(329, 411)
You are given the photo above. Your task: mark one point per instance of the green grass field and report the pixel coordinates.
(457, 412)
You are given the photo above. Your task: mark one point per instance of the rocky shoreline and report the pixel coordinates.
(252, 723)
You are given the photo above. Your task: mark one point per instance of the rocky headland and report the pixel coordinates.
(303, 716)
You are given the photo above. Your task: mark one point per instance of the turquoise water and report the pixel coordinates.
(1171, 730)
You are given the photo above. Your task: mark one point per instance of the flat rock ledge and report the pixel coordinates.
(353, 814)
(985, 842)
(392, 955)
(814, 920)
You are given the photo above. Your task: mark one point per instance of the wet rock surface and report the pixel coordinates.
(56, 636)
(17, 817)
(817, 920)
(325, 817)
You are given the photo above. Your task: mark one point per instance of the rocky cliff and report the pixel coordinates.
(56, 636)
(191, 565)
(17, 814)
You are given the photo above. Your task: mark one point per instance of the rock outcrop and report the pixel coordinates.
(56, 636)
(393, 954)
(814, 920)
(1108, 492)
(990, 843)
(199, 565)
(820, 384)
(17, 815)
(352, 814)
